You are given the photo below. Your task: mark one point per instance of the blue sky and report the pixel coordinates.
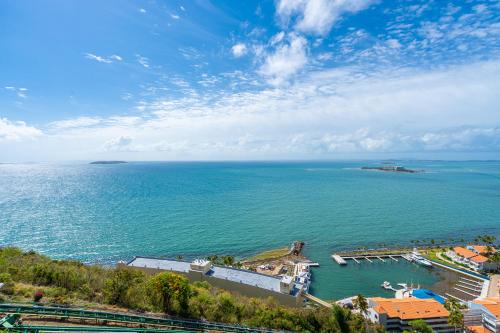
(284, 79)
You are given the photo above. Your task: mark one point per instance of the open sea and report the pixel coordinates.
(105, 213)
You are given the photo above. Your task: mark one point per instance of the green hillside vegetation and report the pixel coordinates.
(27, 275)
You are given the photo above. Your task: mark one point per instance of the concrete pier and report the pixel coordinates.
(339, 259)
(342, 259)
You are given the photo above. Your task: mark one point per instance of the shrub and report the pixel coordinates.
(37, 297)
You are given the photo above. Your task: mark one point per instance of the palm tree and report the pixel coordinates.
(360, 303)
(456, 319)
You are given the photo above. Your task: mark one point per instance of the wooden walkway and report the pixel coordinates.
(318, 301)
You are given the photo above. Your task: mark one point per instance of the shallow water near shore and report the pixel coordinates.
(106, 213)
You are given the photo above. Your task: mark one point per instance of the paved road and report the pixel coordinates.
(493, 290)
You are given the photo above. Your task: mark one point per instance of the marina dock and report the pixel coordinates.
(339, 259)
(342, 259)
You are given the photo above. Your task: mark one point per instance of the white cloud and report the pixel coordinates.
(277, 38)
(121, 143)
(143, 61)
(393, 43)
(325, 56)
(20, 92)
(76, 122)
(317, 16)
(287, 59)
(17, 130)
(239, 50)
(174, 16)
(102, 59)
(182, 8)
(142, 10)
(322, 114)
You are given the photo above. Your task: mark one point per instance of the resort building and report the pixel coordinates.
(471, 257)
(484, 313)
(284, 289)
(482, 249)
(395, 314)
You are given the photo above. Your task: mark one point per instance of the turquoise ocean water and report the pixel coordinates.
(106, 213)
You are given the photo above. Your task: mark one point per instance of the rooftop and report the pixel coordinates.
(463, 252)
(479, 259)
(164, 264)
(409, 308)
(483, 249)
(225, 273)
(492, 304)
(478, 329)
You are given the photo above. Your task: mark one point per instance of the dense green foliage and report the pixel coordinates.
(61, 281)
(419, 326)
(456, 317)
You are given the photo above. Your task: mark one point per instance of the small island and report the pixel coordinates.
(391, 168)
(107, 162)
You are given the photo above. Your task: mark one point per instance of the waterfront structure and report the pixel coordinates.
(471, 257)
(285, 289)
(484, 313)
(395, 314)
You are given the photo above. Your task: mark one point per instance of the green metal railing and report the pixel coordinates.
(43, 328)
(197, 325)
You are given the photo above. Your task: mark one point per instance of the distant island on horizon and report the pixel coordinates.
(107, 162)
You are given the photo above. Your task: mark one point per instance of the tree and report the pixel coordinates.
(8, 283)
(170, 292)
(361, 304)
(456, 317)
(495, 257)
(116, 287)
(228, 260)
(342, 317)
(419, 326)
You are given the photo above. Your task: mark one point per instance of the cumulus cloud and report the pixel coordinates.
(17, 130)
(325, 114)
(317, 16)
(239, 50)
(287, 59)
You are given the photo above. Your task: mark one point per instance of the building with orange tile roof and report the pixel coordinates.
(487, 311)
(470, 257)
(477, 329)
(482, 249)
(395, 314)
(479, 259)
(463, 252)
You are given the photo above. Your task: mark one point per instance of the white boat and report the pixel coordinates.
(418, 259)
(386, 285)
